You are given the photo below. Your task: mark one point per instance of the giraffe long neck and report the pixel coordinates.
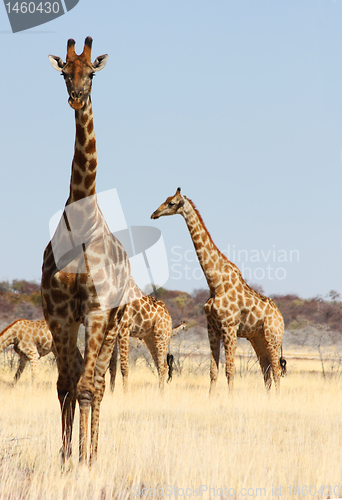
(209, 256)
(84, 164)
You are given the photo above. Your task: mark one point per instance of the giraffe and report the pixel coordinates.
(31, 340)
(233, 309)
(86, 271)
(147, 319)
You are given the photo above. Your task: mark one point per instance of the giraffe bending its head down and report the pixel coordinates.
(30, 339)
(233, 309)
(86, 271)
(147, 319)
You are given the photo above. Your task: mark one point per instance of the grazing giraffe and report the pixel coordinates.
(86, 271)
(147, 319)
(233, 309)
(30, 339)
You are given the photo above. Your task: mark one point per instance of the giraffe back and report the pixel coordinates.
(27, 332)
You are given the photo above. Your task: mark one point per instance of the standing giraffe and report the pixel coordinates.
(30, 339)
(233, 309)
(86, 271)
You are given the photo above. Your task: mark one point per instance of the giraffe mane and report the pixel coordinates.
(263, 297)
(210, 238)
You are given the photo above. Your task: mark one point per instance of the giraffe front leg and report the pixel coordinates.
(67, 401)
(69, 369)
(214, 337)
(102, 363)
(229, 343)
(95, 331)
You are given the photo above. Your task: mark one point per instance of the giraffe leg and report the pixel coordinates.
(273, 334)
(158, 353)
(102, 363)
(113, 365)
(124, 356)
(274, 354)
(69, 370)
(229, 343)
(214, 341)
(23, 359)
(33, 357)
(96, 326)
(260, 348)
(269, 358)
(29, 353)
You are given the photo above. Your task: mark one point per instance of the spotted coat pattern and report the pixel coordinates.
(234, 309)
(88, 284)
(31, 340)
(146, 319)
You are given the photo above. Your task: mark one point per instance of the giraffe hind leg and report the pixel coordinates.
(259, 346)
(215, 344)
(124, 357)
(23, 359)
(113, 365)
(158, 353)
(269, 360)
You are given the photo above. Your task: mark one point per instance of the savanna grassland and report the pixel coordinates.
(183, 444)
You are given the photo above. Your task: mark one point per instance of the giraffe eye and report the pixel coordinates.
(171, 204)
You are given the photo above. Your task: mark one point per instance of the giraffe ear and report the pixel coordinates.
(100, 62)
(56, 62)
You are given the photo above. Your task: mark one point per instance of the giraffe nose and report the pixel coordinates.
(76, 95)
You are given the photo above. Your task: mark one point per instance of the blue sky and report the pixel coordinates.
(238, 103)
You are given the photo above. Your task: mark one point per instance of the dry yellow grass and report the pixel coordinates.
(248, 445)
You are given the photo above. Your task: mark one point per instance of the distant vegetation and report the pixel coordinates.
(21, 299)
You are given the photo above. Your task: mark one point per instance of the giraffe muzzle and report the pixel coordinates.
(77, 100)
(76, 103)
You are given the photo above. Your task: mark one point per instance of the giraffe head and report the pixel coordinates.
(172, 205)
(78, 71)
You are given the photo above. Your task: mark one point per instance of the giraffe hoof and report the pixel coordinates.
(65, 461)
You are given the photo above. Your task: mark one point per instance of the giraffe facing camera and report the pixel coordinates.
(93, 288)
(78, 71)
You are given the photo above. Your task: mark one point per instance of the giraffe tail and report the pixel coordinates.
(169, 360)
(7, 336)
(283, 363)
